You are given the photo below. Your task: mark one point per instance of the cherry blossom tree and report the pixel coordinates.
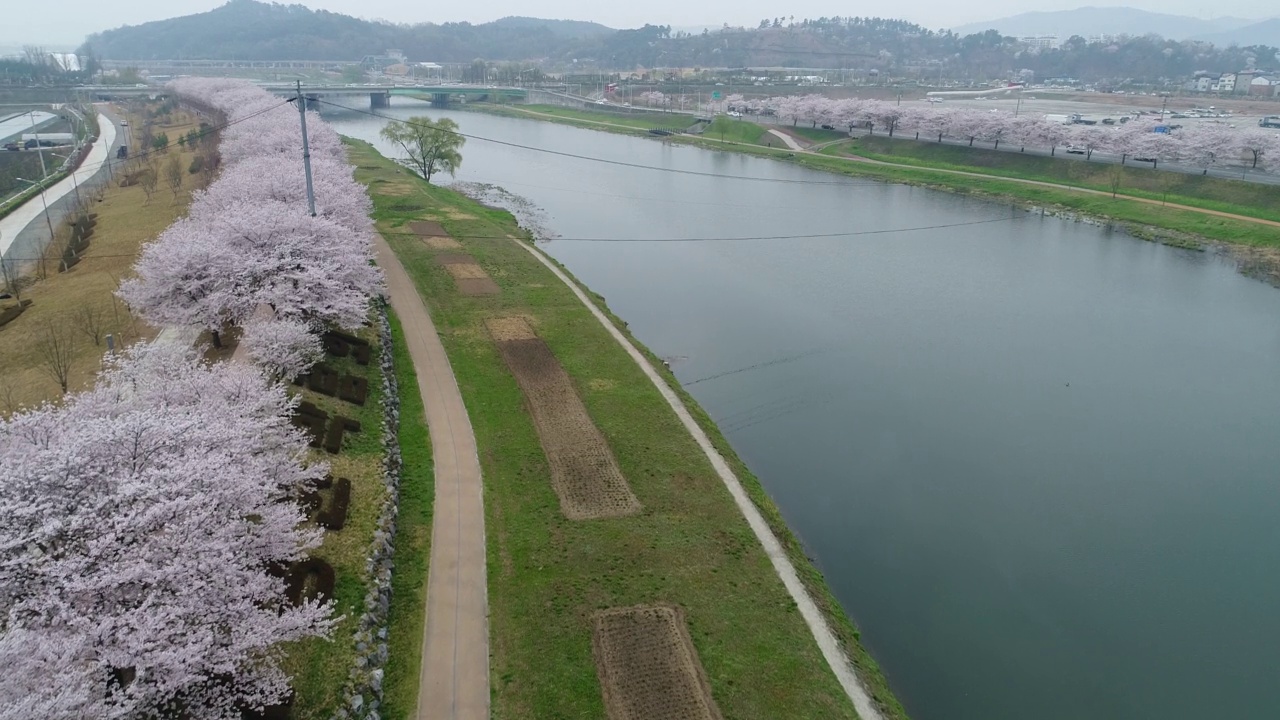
(1260, 146)
(142, 520)
(284, 348)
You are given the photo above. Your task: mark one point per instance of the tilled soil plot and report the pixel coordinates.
(648, 667)
(584, 473)
(428, 228)
(442, 243)
(468, 276)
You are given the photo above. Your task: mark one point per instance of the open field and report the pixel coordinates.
(689, 547)
(67, 304)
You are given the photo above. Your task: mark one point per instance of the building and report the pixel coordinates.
(1040, 42)
(1263, 86)
(1204, 83)
(377, 63)
(1226, 83)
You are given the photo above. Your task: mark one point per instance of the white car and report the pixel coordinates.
(1076, 150)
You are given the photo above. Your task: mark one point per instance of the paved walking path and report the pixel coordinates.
(16, 221)
(813, 617)
(790, 141)
(454, 681)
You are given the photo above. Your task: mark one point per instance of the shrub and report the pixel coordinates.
(197, 164)
(353, 389)
(309, 579)
(334, 517)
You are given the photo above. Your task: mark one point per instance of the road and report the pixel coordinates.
(24, 228)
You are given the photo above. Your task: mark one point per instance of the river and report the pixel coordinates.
(1036, 460)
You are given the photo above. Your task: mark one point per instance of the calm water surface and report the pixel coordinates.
(1036, 460)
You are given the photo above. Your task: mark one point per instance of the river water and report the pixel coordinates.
(1037, 460)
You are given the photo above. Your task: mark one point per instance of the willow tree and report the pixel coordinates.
(431, 145)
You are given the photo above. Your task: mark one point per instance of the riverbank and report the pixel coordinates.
(1173, 219)
(681, 541)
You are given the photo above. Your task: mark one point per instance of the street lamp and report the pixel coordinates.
(39, 150)
(48, 221)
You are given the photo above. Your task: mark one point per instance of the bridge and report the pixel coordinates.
(379, 94)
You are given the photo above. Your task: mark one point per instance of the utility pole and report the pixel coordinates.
(306, 150)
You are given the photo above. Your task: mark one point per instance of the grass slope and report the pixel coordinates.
(126, 220)
(319, 667)
(547, 575)
(412, 541)
(1213, 193)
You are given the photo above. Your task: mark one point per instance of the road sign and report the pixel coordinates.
(715, 95)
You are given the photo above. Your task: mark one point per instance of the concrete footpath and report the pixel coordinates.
(454, 680)
(13, 224)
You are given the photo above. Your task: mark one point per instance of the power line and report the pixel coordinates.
(806, 236)
(809, 236)
(621, 163)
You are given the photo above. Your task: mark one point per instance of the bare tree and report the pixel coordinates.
(209, 167)
(10, 271)
(1116, 179)
(88, 319)
(57, 353)
(173, 175)
(8, 395)
(149, 180)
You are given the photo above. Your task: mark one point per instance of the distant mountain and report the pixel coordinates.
(1266, 32)
(574, 29)
(260, 31)
(1087, 21)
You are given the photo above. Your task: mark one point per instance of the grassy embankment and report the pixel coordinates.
(61, 301)
(320, 667)
(412, 541)
(1154, 222)
(689, 546)
(1213, 193)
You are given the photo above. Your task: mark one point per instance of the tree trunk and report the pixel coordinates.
(1123, 157)
(939, 137)
(217, 341)
(917, 136)
(1053, 151)
(997, 147)
(970, 142)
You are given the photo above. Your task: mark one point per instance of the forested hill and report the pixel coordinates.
(245, 29)
(250, 30)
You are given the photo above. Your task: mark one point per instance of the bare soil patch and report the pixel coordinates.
(428, 228)
(455, 259)
(584, 472)
(476, 287)
(514, 327)
(648, 667)
(442, 243)
(466, 271)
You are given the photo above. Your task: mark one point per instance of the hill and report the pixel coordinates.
(261, 31)
(1089, 21)
(1266, 32)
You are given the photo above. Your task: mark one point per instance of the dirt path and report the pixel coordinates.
(454, 680)
(813, 617)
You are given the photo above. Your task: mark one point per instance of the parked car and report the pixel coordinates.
(1076, 150)
(12, 146)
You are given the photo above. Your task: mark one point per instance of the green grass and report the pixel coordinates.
(1212, 193)
(730, 130)
(320, 667)
(412, 541)
(639, 120)
(547, 575)
(817, 135)
(1153, 222)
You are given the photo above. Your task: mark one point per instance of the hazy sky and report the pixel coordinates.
(70, 20)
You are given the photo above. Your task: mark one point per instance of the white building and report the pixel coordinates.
(1226, 83)
(1040, 42)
